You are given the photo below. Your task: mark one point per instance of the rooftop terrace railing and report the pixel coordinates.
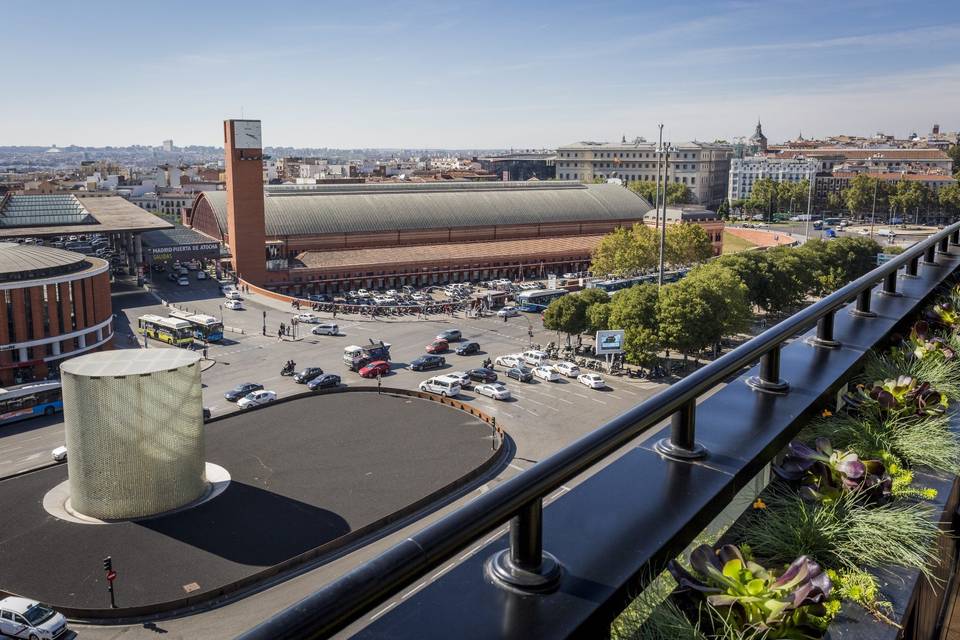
(570, 569)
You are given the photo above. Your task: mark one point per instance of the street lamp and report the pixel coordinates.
(656, 199)
(663, 229)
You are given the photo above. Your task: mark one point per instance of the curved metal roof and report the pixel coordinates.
(27, 260)
(357, 208)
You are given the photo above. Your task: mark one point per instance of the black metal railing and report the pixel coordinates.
(525, 567)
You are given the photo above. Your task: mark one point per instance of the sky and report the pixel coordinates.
(455, 74)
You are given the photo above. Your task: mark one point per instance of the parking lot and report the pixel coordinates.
(541, 416)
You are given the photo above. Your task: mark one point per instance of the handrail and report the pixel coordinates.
(360, 589)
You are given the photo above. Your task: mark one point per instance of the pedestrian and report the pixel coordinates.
(334, 313)
(504, 318)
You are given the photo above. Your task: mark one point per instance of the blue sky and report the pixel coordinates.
(478, 74)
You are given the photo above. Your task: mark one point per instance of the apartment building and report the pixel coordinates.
(702, 166)
(745, 171)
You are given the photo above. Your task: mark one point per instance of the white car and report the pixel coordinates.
(464, 379)
(495, 390)
(509, 361)
(183, 281)
(23, 618)
(508, 312)
(307, 317)
(59, 454)
(567, 368)
(201, 275)
(864, 232)
(256, 399)
(545, 373)
(236, 305)
(233, 294)
(592, 380)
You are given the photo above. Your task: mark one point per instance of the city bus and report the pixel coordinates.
(24, 401)
(170, 330)
(206, 328)
(541, 297)
(622, 283)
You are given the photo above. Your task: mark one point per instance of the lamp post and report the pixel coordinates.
(806, 226)
(656, 199)
(663, 228)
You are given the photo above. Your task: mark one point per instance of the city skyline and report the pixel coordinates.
(497, 76)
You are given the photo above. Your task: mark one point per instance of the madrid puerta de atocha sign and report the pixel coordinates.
(206, 250)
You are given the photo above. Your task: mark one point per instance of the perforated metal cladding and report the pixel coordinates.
(135, 442)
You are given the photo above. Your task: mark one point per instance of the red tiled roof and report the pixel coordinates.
(893, 176)
(486, 251)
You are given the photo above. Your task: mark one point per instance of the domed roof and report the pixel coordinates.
(26, 261)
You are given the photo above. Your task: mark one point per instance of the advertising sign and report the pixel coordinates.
(609, 342)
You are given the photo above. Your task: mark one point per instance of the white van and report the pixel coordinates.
(327, 329)
(535, 358)
(442, 386)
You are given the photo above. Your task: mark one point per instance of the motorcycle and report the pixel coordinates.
(288, 369)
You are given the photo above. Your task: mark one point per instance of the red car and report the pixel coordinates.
(438, 346)
(374, 369)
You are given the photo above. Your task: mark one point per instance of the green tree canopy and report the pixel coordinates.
(687, 244)
(598, 317)
(949, 197)
(626, 252)
(858, 197)
(566, 314)
(676, 193)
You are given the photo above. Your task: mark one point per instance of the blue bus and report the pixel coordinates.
(24, 401)
(622, 283)
(205, 328)
(541, 297)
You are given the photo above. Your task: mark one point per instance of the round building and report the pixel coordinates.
(134, 427)
(56, 304)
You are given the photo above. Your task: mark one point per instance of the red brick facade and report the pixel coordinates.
(244, 170)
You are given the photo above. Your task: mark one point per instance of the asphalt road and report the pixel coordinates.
(543, 418)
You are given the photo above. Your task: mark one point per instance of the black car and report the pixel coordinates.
(427, 362)
(482, 375)
(324, 381)
(522, 374)
(468, 348)
(308, 374)
(241, 390)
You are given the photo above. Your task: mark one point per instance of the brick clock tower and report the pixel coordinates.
(243, 146)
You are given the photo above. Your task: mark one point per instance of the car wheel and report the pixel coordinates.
(33, 636)
(443, 394)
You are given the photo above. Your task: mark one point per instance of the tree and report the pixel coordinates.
(624, 252)
(949, 196)
(687, 244)
(835, 201)
(954, 152)
(724, 209)
(598, 317)
(698, 311)
(566, 314)
(634, 310)
(677, 193)
(764, 197)
(858, 197)
(908, 196)
(592, 296)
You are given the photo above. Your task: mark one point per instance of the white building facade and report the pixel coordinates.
(744, 172)
(704, 167)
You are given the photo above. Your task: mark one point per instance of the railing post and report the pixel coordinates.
(955, 237)
(525, 567)
(912, 268)
(942, 246)
(930, 256)
(682, 442)
(824, 337)
(862, 310)
(769, 380)
(890, 285)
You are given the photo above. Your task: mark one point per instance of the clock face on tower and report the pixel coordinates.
(246, 134)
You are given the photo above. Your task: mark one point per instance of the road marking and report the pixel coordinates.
(565, 400)
(533, 413)
(536, 402)
(513, 466)
(633, 393)
(579, 395)
(600, 401)
(617, 397)
(413, 591)
(384, 610)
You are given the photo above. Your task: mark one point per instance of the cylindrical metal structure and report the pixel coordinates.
(943, 246)
(526, 537)
(862, 308)
(930, 255)
(134, 427)
(890, 285)
(912, 267)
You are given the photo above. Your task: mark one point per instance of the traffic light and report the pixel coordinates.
(108, 564)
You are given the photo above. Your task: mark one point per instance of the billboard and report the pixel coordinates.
(609, 342)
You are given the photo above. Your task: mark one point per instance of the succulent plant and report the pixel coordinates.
(902, 394)
(784, 606)
(926, 345)
(826, 473)
(945, 315)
